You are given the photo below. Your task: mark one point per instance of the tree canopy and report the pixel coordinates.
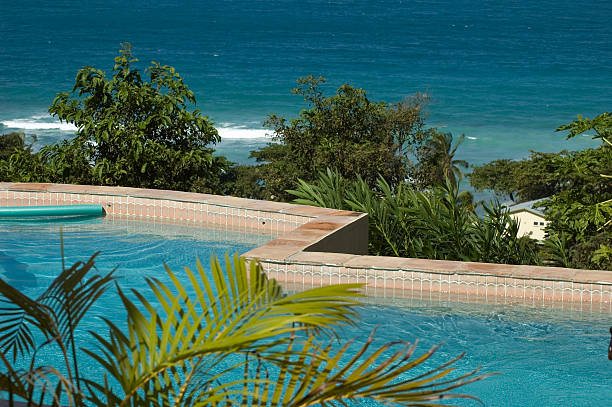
(539, 176)
(347, 131)
(578, 189)
(132, 130)
(11, 142)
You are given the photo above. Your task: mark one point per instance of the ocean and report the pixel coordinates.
(504, 73)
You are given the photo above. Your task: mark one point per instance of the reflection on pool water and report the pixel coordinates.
(30, 249)
(545, 357)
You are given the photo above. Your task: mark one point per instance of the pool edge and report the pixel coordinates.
(325, 246)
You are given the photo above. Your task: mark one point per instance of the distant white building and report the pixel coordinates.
(531, 220)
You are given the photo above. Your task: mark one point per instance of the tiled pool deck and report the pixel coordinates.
(325, 246)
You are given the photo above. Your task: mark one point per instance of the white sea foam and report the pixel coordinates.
(471, 138)
(35, 123)
(237, 133)
(41, 122)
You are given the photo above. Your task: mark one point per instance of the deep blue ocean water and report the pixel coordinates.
(504, 73)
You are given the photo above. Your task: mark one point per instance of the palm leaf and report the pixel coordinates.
(48, 380)
(231, 311)
(55, 313)
(19, 314)
(327, 379)
(22, 383)
(70, 296)
(10, 381)
(328, 191)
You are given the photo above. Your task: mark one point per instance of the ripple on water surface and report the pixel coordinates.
(545, 357)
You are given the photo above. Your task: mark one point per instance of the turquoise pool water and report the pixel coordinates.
(545, 357)
(30, 253)
(136, 247)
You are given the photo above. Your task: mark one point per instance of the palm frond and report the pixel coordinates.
(233, 310)
(327, 378)
(23, 383)
(10, 381)
(50, 381)
(70, 295)
(556, 250)
(327, 191)
(20, 314)
(55, 313)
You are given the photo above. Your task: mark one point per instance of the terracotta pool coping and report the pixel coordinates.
(322, 246)
(453, 267)
(320, 228)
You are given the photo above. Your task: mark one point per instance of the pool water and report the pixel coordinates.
(545, 357)
(30, 258)
(137, 248)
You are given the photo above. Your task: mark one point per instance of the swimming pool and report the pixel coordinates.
(546, 357)
(136, 247)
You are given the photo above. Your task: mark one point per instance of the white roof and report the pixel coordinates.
(527, 206)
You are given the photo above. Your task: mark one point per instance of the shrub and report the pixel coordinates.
(433, 224)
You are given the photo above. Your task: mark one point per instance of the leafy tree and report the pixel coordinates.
(236, 339)
(601, 124)
(10, 142)
(496, 176)
(539, 176)
(17, 163)
(345, 130)
(578, 190)
(584, 214)
(133, 130)
(546, 174)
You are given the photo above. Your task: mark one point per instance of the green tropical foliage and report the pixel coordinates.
(133, 130)
(229, 314)
(437, 162)
(30, 325)
(137, 128)
(545, 174)
(585, 214)
(433, 224)
(11, 143)
(327, 381)
(228, 337)
(523, 180)
(578, 189)
(345, 130)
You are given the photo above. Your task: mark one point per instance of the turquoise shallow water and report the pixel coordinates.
(545, 357)
(504, 73)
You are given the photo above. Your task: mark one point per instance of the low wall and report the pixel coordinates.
(324, 246)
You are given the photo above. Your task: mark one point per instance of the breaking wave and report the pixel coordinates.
(40, 122)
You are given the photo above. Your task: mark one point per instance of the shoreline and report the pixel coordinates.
(482, 143)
